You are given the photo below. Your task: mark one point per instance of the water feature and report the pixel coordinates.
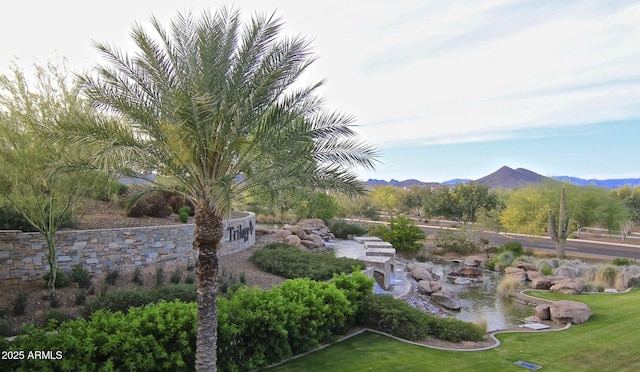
(479, 300)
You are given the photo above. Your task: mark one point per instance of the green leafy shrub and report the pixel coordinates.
(257, 328)
(402, 233)
(124, 299)
(81, 276)
(183, 217)
(455, 241)
(619, 261)
(359, 289)
(546, 270)
(227, 282)
(342, 229)
(160, 337)
(514, 247)
(80, 296)
(11, 219)
(6, 328)
(61, 279)
(20, 303)
(291, 262)
(400, 319)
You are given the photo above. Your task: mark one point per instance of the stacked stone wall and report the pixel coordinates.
(23, 256)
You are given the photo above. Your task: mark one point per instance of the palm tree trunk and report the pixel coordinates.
(207, 237)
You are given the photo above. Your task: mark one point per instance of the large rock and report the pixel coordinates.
(308, 243)
(569, 312)
(542, 282)
(567, 286)
(533, 275)
(543, 312)
(525, 266)
(293, 240)
(421, 273)
(282, 233)
(316, 239)
(428, 287)
(423, 265)
(474, 261)
(296, 230)
(514, 272)
(447, 299)
(316, 226)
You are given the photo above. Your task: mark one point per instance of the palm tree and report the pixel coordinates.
(215, 109)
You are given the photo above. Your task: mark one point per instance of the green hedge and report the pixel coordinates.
(292, 262)
(123, 299)
(400, 319)
(256, 328)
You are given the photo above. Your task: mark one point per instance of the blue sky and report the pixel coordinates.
(445, 89)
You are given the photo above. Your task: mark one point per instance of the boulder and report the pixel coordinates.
(516, 273)
(543, 312)
(316, 239)
(542, 282)
(533, 275)
(468, 272)
(447, 299)
(525, 266)
(569, 312)
(293, 240)
(568, 286)
(427, 287)
(474, 261)
(462, 281)
(296, 230)
(421, 273)
(282, 233)
(423, 265)
(436, 286)
(308, 243)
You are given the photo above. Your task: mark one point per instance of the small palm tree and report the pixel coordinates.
(216, 113)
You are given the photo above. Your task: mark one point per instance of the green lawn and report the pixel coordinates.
(609, 341)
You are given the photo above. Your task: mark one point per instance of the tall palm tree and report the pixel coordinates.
(215, 109)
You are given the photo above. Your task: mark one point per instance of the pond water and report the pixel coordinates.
(479, 300)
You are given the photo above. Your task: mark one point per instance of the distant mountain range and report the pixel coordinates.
(509, 178)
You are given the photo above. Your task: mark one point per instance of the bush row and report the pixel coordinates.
(292, 262)
(255, 328)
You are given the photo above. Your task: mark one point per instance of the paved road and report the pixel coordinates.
(545, 243)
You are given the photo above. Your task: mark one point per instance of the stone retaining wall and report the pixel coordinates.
(23, 255)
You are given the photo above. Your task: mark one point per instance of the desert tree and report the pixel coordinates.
(30, 108)
(215, 108)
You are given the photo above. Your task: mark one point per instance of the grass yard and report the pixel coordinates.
(608, 341)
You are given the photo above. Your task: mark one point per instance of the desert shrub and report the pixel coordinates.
(589, 287)
(183, 292)
(176, 276)
(189, 279)
(402, 233)
(159, 276)
(342, 229)
(136, 277)
(154, 338)
(20, 303)
(514, 247)
(183, 217)
(546, 270)
(625, 280)
(81, 276)
(455, 241)
(11, 219)
(606, 276)
(227, 282)
(155, 205)
(55, 317)
(402, 320)
(508, 285)
(6, 328)
(505, 259)
(491, 264)
(619, 261)
(291, 262)
(80, 296)
(111, 275)
(61, 279)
